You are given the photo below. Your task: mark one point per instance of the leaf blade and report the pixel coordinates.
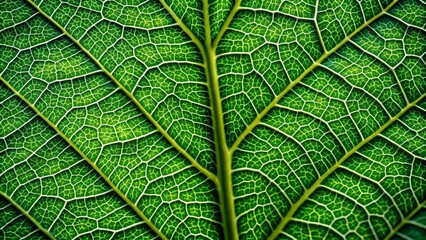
(329, 158)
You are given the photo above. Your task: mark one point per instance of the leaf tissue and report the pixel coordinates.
(212, 119)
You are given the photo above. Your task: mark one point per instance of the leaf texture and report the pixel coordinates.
(220, 119)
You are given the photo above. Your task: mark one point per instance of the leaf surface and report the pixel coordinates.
(216, 119)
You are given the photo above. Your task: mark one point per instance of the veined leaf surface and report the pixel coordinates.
(189, 119)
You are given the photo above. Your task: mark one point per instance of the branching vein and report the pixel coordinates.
(92, 164)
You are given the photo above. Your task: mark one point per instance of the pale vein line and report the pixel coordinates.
(317, 27)
(405, 220)
(194, 163)
(273, 12)
(225, 26)
(27, 214)
(392, 69)
(318, 182)
(417, 224)
(84, 156)
(185, 28)
(256, 121)
(328, 227)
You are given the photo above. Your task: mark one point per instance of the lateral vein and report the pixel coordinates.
(405, 220)
(225, 26)
(317, 63)
(194, 163)
(183, 26)
(27, 214)
(86, 158)
(288, 217)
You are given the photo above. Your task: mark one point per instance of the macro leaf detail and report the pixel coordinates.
(212, 119)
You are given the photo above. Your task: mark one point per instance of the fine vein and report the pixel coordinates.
(194, 163)
(256, 121)
(85, 157)
(27, 214)
(288, 217)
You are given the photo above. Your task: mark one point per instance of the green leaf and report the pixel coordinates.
(188, 119)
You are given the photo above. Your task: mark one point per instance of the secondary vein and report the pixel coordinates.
(288, 217)
(314, 65)
(86, 158)
(225, 26)
(27, 214)
(194, 163)
(185, 28)
(405, 220)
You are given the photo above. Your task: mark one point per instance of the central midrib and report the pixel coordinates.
(223, 157)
